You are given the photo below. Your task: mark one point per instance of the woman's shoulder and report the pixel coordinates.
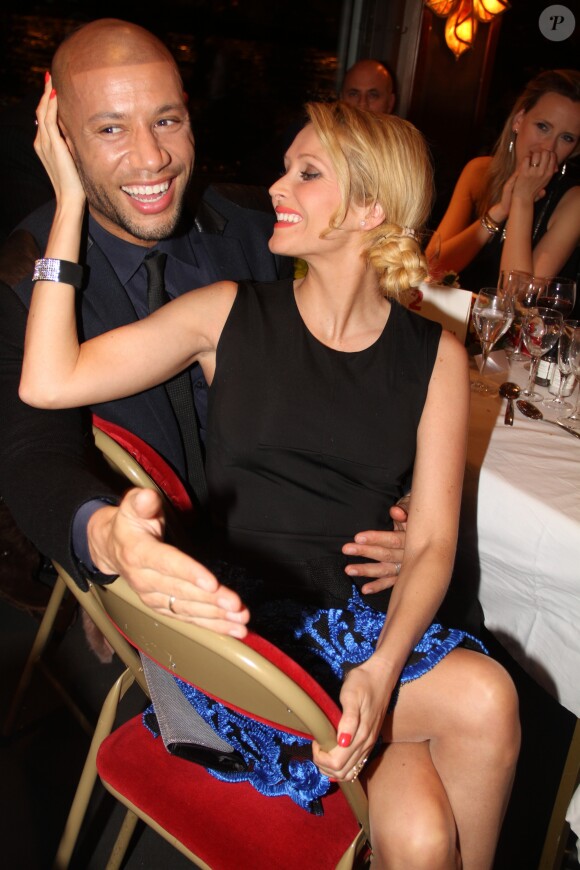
(571, 196)
(476, 170)
(479, 164)
(422, 327)
(471, 180)
(560, 203)
(262, 298)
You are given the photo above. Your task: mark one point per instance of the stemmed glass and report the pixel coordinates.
(573, 419)
(541, 328)
(568, 329)
(492, 316)
(558, 294)
(523, 291)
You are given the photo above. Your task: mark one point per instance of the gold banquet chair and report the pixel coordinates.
(216, 824)
(558, 827)
(139, 465)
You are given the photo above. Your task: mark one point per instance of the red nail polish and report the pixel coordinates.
(344, 739)
(46, 76)
(52, 94)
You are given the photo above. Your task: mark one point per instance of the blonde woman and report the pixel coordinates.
(428, 719)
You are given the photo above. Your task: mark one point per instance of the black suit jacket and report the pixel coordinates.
(48, 465)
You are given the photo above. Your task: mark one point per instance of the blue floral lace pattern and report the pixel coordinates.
(275, 759)
(327, 643)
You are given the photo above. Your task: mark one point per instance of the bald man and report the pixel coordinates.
(123, 114)
(369, 85)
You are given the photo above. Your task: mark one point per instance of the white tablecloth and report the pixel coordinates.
(527, 479)
(524, 485)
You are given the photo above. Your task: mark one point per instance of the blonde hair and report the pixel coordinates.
(566, 83)
(384, 160)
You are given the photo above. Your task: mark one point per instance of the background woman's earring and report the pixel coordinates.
(563, 169)
(512, 144)
(363, 223)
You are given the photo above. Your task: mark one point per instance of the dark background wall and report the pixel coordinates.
(249, 65)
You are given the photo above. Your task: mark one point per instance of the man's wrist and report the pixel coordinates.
(99, 537)
(82, 550)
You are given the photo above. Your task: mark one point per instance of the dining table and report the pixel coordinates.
(521, 533)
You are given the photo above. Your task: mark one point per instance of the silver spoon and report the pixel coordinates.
(509, 391)
(534, 413)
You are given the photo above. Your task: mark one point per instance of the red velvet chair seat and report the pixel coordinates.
(225, 824)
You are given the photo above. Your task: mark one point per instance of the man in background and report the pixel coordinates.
(369, 85)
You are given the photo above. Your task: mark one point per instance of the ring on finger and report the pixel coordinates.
(534, 165)
(397, 568)
(171, 603)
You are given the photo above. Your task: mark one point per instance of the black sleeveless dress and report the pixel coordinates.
(306, 446)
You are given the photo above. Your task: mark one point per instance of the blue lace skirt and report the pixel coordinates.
(327, 642)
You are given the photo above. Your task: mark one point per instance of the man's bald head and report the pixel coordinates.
(123, 114)
(368, 85)
(104, 43)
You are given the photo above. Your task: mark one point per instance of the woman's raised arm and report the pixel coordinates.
(562, 236)
(57, 371)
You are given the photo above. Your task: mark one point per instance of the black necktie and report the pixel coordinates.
(179, 388)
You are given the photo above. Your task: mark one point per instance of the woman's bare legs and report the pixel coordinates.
(412, 825)
(465, 712)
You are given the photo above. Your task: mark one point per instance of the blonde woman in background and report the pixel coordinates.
(520, 208)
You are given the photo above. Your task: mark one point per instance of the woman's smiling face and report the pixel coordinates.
(306, 198)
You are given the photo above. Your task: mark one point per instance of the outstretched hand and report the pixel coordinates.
(53, 150)
(128, 540)
(385, 548)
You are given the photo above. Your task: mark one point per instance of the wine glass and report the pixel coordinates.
(573, 419)
(541, 328)
(492, 315)
(523, 291)
(557, 293)
(568, 330)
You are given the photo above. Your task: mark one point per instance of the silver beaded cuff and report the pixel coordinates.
(63, 271)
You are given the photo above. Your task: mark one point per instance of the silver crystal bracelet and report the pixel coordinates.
(49, 269)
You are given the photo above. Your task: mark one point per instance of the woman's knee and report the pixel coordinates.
(491, 698)
(422, 841)
(412, 824)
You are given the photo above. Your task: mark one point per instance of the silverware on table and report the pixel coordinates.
(510, 391)
(534, 413)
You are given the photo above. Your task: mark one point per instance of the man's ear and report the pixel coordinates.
(67, 138)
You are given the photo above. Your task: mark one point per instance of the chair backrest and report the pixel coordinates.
(91, 604)
(250, 676)
(141, 465)
(139, 462)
